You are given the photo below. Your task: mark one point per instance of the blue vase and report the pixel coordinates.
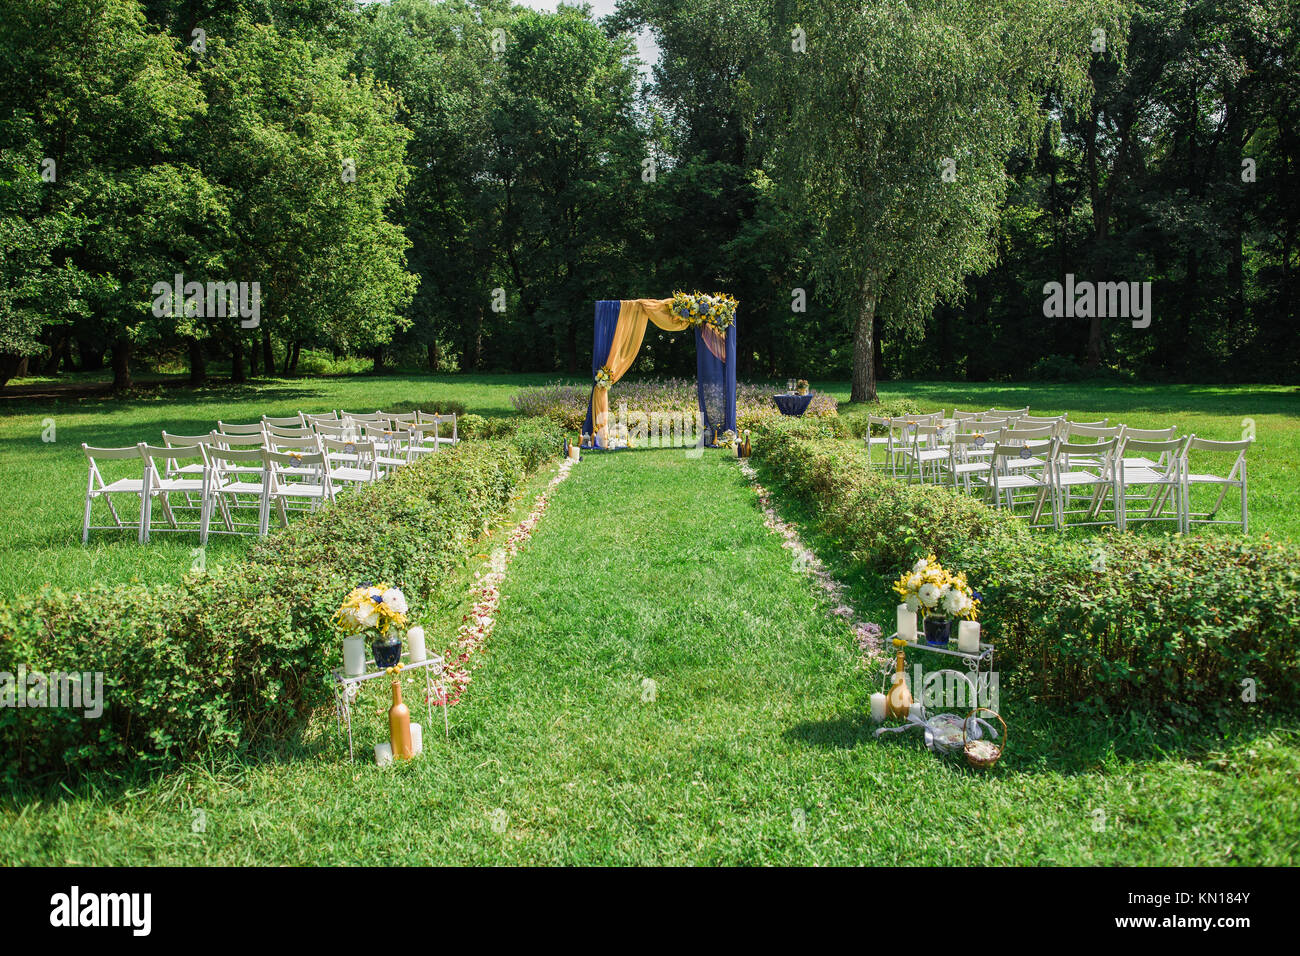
(937, 631)
(387, 652)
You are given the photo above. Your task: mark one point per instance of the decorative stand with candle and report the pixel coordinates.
(978, 662)
(347, 687)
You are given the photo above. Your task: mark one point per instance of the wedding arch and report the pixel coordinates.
(620, 328)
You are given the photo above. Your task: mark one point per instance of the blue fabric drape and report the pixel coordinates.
(716, 385)
(606, 322)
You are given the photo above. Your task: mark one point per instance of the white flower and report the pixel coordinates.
(919, 566)
(912, 603)
(954, 602)
(396, 600)
(929, 594)
(914, 582)
(367, 615)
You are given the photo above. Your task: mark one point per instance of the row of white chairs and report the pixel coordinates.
(269, 465)
(1065, 470)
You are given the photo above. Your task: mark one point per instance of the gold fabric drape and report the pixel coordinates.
(633, 314)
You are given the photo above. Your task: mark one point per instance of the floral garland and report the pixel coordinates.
(718, 311)
(867, 634)
(477, 626)
(604, 378)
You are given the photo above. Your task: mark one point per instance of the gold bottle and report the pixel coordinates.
(899, 701)
(399, 726)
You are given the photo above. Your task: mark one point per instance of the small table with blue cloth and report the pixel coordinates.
(793, 404)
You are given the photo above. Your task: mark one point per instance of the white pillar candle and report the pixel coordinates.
(415, 644)
(906, 624)
(383, 754)
(417, 739)
(968, 637)
(877, 707)
(354, 656)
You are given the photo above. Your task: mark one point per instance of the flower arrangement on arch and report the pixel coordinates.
(936, 592)
(718, 311)
(604, 378)
(376, 608)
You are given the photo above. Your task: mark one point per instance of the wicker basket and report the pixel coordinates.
(983, 754)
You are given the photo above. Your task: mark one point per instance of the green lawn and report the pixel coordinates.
(750, 746)
(44, 482)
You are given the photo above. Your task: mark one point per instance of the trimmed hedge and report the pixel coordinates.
(241, 653)
(1166, 623)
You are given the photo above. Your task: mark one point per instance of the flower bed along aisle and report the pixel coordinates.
(477, 626)
(867, 634)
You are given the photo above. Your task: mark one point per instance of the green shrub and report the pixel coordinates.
(242, 653)
(1172, 624)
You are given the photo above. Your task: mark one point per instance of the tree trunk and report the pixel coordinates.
(378, 356)
(268, 353)
(878, 354)
(58, 352)
(571, 346)
(864, 366)
(92, 355)
(237, 362)
(434, 358)
(198, 364)
(291, 357)
(121, 365)
(254, 357)
(12, 366)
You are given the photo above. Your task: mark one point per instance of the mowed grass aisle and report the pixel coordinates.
(662, 688)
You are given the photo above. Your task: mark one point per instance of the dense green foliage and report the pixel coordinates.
(450, 184)
(1171, 623)
(241, 653)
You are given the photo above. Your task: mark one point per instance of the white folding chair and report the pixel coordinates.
(1098, 472)
(1235, 478)
(295, 446)
(172, 469)
(329, 418)
(351, 462)
(245, 441)
(1007, 412)
(276, 432)
(883, 439)
(98, 487)
(961, 465)
(424, 418)
(286, 483)
(1004, 485)
(1032, 445)
(1148, 435)
(391, 452)
(290, 421)
(226, 428)
(990, 427)
(926, 448)
(158, 485)
(236, 481)
(1160, 479)
(340, 433)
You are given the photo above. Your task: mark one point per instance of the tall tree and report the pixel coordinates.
(900, 116)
